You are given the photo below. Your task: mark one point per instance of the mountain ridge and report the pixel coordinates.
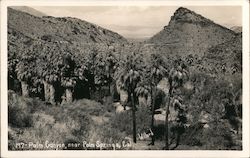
(186, 15)
(60, 29)
(188, 32)
(237, 29)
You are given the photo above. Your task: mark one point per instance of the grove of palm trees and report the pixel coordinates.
(64, 93)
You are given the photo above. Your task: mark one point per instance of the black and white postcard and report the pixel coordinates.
(124, 78)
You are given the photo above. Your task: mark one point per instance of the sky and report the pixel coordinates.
(141, 21)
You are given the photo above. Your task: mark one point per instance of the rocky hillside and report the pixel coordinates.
(237, 29)
(66, 30)
(188, 32)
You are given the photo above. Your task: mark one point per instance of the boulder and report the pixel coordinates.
(119, 108)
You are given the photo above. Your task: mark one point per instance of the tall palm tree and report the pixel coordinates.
(68, 79)
(157, 72)
(177, 75)
(130, 77)
(25, 73)
(110, 68)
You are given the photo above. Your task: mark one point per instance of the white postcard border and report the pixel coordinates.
(138, 153)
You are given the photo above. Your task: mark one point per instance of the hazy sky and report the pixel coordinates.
(141, 21)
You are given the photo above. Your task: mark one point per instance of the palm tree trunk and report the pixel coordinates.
(69, 95)
(134, 117)
(110, 94)
(109, 82)
(123, 97)
(46, 91)
(152, 118)
(166, 121)
(25, 90)
(52, 93)
(111, 90)
(166, 125)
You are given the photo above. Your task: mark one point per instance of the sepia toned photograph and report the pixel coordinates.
(124, 77)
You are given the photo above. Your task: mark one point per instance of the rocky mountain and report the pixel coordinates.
(29, 10)
(237, 29)
(190, 33)
(64, 30)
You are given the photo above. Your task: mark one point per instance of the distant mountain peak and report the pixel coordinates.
(189, 32)
(185, 15)
(29, 10)
(183, 10)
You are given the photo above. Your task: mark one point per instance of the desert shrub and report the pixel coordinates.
(75, 116)
(211, 94)
(84, 106)
(56, 124)
(82, 130)
(123, 120)
(12, 136)
(143, 118)
(44, 129)
(217, 137)
(37, 105)
(108, 104)
(108, 114)
(42, 120)
(18, 112)
(192, 135)
(159, 131)
(105, 134)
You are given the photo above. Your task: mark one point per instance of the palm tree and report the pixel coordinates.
(49, 87)
(82, 80)
(12, 74)
(100, 79)
(177, 75)
(130, 77)
(49, 68)
(157, 72)
(68, 80)
(110, 68)
(24, 77)
(180, 117)
(91, 62)
(142, 92)
(25, 72)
